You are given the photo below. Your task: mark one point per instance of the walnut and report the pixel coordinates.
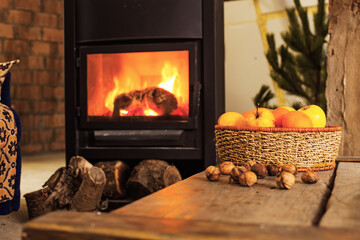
(260, 170)
(212, 173)
(309, 177)
(273, 170)
(242, 169)
(291, 168)
(285, 180)
(248, 164)
(247, 179)
(235, 174)
(225, 167)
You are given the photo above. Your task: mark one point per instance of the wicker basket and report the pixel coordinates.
(308, 148)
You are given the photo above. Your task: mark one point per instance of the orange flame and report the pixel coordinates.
(137, 71)
(169, 75)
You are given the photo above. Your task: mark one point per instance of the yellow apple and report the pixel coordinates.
(232, 119)
(316, 114)
(260, 117)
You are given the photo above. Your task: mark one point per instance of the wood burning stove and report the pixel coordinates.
(144, 79)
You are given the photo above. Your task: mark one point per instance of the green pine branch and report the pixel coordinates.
(299, 65)
(263, 97)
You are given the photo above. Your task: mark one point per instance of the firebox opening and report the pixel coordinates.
(138, 85)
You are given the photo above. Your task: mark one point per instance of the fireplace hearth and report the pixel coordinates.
(144, 79)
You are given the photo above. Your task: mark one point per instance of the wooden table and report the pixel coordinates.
(196, 208)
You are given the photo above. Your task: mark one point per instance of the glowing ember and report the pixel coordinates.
(149, 112)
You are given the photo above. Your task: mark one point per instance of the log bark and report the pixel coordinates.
(150, 176)
(88, 196)
(158, 99)
(65, 186)
(117, 174)
(342, 88)
(54, 179)
(78, 186)
(35, 203)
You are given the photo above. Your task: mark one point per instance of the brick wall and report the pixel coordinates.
(32, 31)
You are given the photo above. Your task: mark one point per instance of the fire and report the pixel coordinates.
(169, 75)
(111, 76)
(109, 101)
(149, 112)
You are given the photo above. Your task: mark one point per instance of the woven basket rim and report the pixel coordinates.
(279, 129)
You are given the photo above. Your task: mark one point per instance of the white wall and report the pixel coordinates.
(246, 67)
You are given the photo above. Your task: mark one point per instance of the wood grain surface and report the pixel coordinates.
(196, 198)
(343, 73)
(343, 208)
(348, 159)
(198, 209)
(90, 226)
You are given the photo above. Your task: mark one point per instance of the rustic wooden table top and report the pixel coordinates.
(196, 208)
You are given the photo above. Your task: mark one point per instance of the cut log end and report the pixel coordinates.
(171, 176)
(117, 174)
(150, 176)
(79, 166)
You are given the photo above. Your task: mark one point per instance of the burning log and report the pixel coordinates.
(150, 176)
(117, 174)
(157, 99)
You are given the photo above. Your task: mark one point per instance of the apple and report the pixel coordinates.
(279, 114)
(259, 117)
(316, 114)
(232, 119)
(296, 119)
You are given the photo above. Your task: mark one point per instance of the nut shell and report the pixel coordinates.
(309, 177)
(248, 164)
(242, 169)
(247, 179)
(260, 170)
(291, 168)
(285, 180)
(226, 167)
(272, 169)
(235, 174)
(212, 173)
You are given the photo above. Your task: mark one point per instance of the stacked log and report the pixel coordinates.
(150, 176)
(81, 186)
(117, 174)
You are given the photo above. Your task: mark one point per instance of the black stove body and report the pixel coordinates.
(120, 53)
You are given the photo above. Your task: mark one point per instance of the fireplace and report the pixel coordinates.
(144, 79)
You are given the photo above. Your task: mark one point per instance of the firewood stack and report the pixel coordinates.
(81, 186)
